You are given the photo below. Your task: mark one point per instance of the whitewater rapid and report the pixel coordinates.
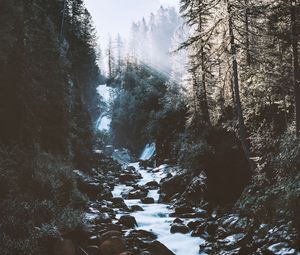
(104, 120)
(155, 217)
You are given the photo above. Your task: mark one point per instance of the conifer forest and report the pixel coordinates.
(177, 135)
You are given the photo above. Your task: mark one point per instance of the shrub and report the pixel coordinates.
(38, 201)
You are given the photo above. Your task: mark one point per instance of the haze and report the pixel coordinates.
(116, 16)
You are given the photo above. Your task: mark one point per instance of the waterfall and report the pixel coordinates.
(103, 122)
(148, 151)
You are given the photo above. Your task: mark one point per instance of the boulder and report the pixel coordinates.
(136, 208)
(171, 186)
(158, 248)
(199, 230)
(177, 220)
(105, 194)
(281, 249)
(182, 210)
(194, 224)
(144, 235)
(102, 218)
(127, 221)
(109, 234)
(127, 178)
(147, 200)
(88, 185)
(135, 194)
(112, 246)
(196, 190)
(145, 253)
(179, 228)
(118, 202)
(152, 185)
(190, 215)
(234, 239)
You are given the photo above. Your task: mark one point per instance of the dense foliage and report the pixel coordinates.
(141, 112)
(48, 77)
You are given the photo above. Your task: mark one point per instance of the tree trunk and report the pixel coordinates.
(203, 93)
(248, 55)
(235, 77)
(296, 67)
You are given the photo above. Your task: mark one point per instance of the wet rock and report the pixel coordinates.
(102, 218)
(136, 208)
(118, 202)
(145, 253)
(127, 221)
(172, 186)
(197, 189)
(194, 224)
(189, 215)
(236, 251)
(146, 236)
(177, 220)
(199, 230)
(158, 248)
(211, 228)
(88, 185)
(127, 178)
(152, 185)
(135, 194)
(234, 239)
(126, 253)
(179, 228)
(148, 200)
(122, 156)
(144, 164)
(105, 194)
(109, 234)
(112, 246)
(182, 210)
(281, 249)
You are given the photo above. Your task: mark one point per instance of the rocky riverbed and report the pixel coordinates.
(156, 211)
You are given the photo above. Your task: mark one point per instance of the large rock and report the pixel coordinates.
(171, 186)
(196, 190)
(158, 248)
(112, 246)
(109, 234)
(147, 200)
(135, 194)
(152, 185)
(127, 221)
(88, 185)
(144, 235)
(281, 249)
(179, 228)
(118, 202)
(128, 178)
(136, 208)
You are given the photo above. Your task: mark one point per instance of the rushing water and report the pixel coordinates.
(103, 122)
(148, 152)
(155, 217)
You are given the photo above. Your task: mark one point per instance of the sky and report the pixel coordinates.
(116, 16)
